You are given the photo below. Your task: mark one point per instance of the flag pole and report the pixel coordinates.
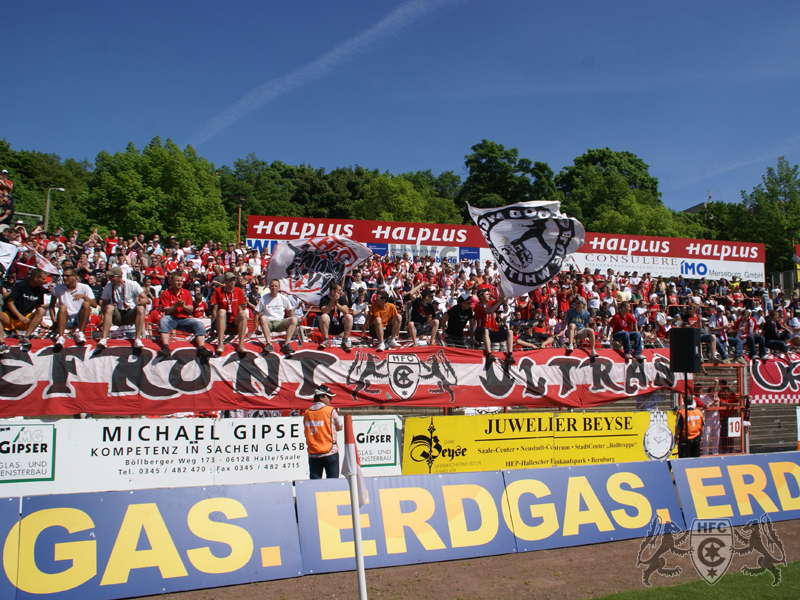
(362, 576)
(351, 470)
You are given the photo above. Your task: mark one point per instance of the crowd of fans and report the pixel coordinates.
(156, 287)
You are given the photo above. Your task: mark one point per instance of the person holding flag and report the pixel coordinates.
(321, 423)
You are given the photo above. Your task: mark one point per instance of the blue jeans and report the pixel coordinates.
(626, 337)
(167, 323)
(329, 464)
(722, 347)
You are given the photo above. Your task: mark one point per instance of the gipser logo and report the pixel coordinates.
(690, 268)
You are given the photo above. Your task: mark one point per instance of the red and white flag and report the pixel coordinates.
(351, 465)
(307, 268)
(37, 261)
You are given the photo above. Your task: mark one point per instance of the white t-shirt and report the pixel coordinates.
(256, 264)
(65, 297)
(123, 297)
(361, 318)
(274, 308)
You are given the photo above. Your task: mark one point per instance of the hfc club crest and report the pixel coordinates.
(711, 548)
(404, 374)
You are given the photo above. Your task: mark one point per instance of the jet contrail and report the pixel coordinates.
(401, 17)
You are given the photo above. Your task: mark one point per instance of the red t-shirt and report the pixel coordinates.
(200, 310)
(111, 243)
(484, 319)
(170, 265)
(229, 302)
(168, 298)
(563, 300)
(156, 275)
(620, 323)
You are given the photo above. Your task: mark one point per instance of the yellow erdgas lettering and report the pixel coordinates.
(755, 488)
(460, 536)
(125, 557)
(701, 493)
(779, 472)
(19, 561)
(644, 512)
(395, 520)
(578, 489)
(238, 539)
(331, 524)
(513, 518)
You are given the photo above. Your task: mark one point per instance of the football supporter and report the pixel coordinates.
(275, 315)
(229, 313)
(24, 308)
(177, 306)
(626, 331)
(423, 319)
(487, 329)
(123, 303)
(458, 318)
(75, 301)
(579, 326)
(335, 318)
(384, 322)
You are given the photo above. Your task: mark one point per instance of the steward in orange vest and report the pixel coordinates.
(689, 442)
(320, 423)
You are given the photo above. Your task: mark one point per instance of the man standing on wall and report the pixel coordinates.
(321, 422)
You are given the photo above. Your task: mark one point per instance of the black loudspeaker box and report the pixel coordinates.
(684, 350)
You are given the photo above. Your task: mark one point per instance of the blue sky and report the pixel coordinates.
(706, 93)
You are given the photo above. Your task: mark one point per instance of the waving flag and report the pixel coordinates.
(529, 241)
(37, 261)
(306, 268)
(351, 465)
(7, 254)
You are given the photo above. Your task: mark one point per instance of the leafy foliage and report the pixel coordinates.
(163, 189)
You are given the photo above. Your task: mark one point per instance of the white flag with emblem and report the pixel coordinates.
(529, 240)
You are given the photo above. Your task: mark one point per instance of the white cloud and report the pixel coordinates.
(403, 16)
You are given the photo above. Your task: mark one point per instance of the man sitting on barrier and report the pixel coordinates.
(487, 330)
(75, 302)
(459, 316)
(747, 331)
(335, 317)
(579, 326)
(718, 326)
(776, 335)
(383, 322)
(24, 308)
(423, 319)
(122, 303)
(275, 315)
(626, 331)
(176, 303)
(229, 312)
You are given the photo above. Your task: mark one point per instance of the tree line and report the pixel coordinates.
(163, 189)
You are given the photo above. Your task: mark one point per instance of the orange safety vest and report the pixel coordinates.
(320, 436)
(693, 423)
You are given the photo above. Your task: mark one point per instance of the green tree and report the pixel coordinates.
(593, 185)
(498, 176)
(162, 190)
(34, 172)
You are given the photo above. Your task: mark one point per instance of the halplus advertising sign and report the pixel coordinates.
(671, 257)
(659, 256)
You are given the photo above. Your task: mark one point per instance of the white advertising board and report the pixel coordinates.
(87, 455)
